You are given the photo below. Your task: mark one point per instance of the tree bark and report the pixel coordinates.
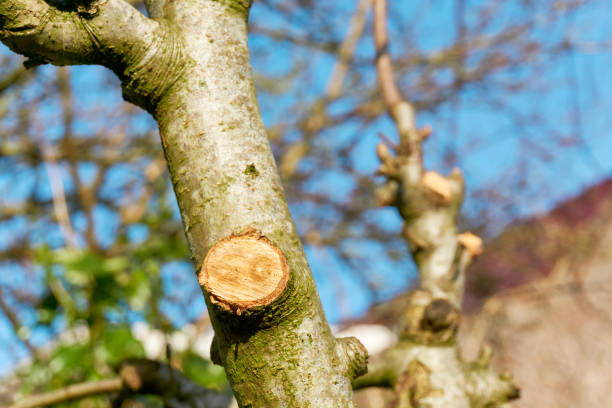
(188, 65)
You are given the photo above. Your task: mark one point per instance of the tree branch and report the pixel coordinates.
(427, 353)
(99, 33)
(60, 206)
(390, 92)
(14, 320)
(145, 54)
(427, 201)
(71, 392)
(137, 376)
(141, 376)
(347, 50)
(317, 116)
(191, 71)
(12, 78)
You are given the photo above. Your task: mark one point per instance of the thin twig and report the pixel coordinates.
(390, 92)
(60, 207)
(401, 110)
(14, 320)
(316, 117)
(65, 90)
(347, 50)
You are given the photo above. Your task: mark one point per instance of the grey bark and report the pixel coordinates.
(188, 65)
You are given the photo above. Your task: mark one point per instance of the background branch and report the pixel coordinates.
(424, 367)
(71, 392)
(137, 376)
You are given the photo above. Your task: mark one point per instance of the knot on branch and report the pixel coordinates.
(353, 356)
(240, 7)
(439, 316)
(412, 386)
(89, 8)
(443, 190)
(471, 242)
(428, 320)
(407, 153)
(439, 187)
(155, 8)
(487, 388)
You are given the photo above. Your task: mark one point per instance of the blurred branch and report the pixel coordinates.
(59, 198)
(389, 90)
(137, 376)
(429, 203)
(281, 35)
(14, 320)
(85, 195)
(316, 117)
(12, 78)
(71, 392)
(142, 376)
(347, 50)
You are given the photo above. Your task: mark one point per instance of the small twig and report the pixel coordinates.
(63, 82)
(387, 141)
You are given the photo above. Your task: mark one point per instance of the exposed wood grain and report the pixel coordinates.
(244, 271)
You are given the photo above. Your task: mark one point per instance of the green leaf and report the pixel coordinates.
(118, 344)
(204, 372)
(46, 309)
(138, 290)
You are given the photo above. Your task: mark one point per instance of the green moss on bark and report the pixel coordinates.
(251, 170)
